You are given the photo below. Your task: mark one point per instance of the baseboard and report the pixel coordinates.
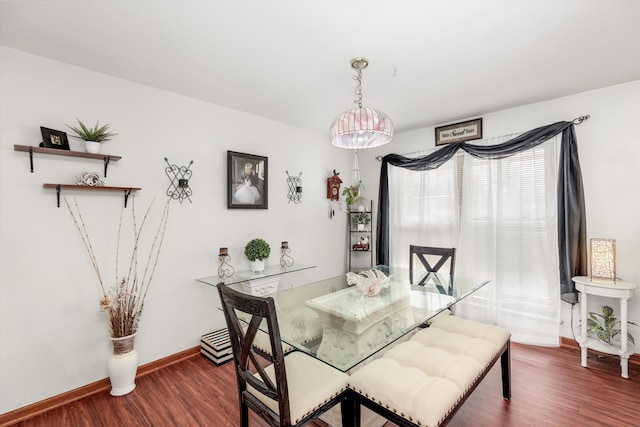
(43, 406)
(570, 342)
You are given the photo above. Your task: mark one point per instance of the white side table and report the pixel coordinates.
(621, 290)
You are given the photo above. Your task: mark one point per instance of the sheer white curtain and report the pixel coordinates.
(423, 209)
(501, 215)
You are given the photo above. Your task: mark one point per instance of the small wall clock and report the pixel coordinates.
(333, 186)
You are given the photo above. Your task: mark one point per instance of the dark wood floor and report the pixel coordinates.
(550, 388)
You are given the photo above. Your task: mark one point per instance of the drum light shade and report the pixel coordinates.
(361, 127)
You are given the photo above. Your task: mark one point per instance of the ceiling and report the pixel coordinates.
(431, 62)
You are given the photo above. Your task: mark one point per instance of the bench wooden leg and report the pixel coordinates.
(350, 410)
(505, 363)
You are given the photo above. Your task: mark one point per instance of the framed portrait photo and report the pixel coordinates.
(247, 178)
(52, 138)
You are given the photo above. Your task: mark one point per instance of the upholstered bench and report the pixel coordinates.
(424, 381)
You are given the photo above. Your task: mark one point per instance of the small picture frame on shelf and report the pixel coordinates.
(247, 181)
(52, 138)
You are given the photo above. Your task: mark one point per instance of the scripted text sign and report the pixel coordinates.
(458, 132)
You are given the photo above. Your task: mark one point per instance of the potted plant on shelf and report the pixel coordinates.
(92, 137)
(608, 329)
(353, 194)
(257, 250)
(361, 219)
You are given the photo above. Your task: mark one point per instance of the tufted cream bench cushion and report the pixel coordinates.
(426, 378)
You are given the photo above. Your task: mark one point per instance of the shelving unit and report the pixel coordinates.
(357, 250)
(127, 190)
(106, 158)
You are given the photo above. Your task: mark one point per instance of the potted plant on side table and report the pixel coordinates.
(256, 251)
(92, 137)
(606, 326)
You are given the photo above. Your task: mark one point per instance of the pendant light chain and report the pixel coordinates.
(358, 90)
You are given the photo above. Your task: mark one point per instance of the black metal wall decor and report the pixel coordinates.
(295, 188)
(179, 186)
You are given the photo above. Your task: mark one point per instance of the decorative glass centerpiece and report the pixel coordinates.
(370, 282)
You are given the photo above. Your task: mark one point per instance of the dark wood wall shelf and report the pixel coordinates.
(59, 187)
(106, 158)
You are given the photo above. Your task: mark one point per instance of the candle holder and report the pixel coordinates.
(285, 259)
(224, 269)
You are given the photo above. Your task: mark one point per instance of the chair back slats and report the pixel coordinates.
(445, 255)
(248, 363)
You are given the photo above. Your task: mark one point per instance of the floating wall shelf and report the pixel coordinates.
(59, 187)
(106, 158)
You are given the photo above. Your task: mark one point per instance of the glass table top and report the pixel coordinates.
(246, 275)
(338, 324)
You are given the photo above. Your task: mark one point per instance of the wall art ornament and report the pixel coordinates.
(179, 186)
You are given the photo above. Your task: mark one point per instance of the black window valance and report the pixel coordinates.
(572, 229)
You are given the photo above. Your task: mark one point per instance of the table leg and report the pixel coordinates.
(624, 355)
(583, 329)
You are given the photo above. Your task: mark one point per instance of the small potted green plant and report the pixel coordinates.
(256, 251)
(92, 137)
(361, 219)
(605, 326)
(352, 194)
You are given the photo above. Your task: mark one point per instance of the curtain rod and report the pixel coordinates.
(576, 121)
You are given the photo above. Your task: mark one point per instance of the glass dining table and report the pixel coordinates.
(342, 326)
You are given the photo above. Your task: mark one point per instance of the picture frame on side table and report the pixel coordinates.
(52, 138)
(459, 132)
(247, 181)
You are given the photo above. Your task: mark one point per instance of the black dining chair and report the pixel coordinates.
(283, 390)
(433, 260)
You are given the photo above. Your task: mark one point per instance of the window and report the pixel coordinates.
(501, 215)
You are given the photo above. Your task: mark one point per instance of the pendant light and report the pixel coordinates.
(361, 127)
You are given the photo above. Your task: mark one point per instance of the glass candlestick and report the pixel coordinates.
(285, 259)
(224, 269)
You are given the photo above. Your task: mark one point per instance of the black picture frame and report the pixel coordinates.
(459, 132)
(247, 181)
(52, 138)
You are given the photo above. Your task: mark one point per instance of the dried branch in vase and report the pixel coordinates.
(124, 301)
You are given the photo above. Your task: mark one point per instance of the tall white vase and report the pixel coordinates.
(123, 365)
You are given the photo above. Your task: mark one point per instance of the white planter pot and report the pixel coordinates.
(257, 266)
(123, 366)
(92, 147)
(360, 227)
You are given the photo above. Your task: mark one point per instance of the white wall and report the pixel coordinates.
(609, 151)
(53, 338)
